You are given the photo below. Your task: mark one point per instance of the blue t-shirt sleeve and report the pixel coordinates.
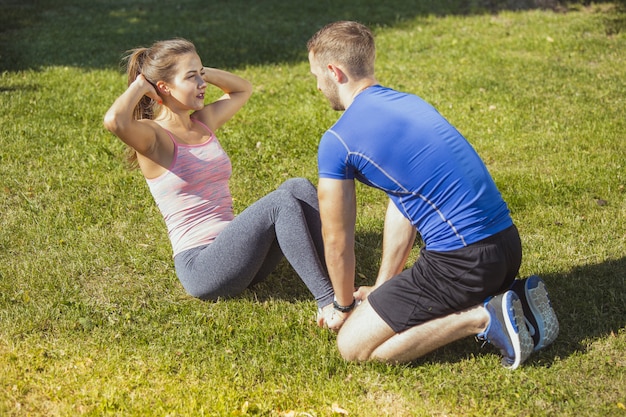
(332, 157)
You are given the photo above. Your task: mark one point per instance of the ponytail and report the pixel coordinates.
(146, 107)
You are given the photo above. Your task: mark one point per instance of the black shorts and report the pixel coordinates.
(442, 283)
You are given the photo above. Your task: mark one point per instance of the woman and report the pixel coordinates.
(163, 119)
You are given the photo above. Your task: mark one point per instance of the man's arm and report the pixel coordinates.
(398, 238)
(337, 200)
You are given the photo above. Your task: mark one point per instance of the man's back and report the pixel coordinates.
(400, 144)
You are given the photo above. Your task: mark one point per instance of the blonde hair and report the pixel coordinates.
(347, 43)
(156, 63)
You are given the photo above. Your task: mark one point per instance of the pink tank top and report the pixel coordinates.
(193, 195)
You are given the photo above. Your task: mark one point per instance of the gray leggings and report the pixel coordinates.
(285, 222)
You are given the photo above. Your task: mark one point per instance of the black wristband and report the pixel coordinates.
(344, 309)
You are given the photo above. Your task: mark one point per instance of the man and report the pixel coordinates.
(437, 185)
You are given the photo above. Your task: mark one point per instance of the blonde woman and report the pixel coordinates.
(170, 131)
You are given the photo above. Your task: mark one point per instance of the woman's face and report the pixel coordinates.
(188, 86)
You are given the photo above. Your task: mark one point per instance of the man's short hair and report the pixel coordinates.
(346, 43)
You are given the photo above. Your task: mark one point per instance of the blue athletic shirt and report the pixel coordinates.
(400, 144)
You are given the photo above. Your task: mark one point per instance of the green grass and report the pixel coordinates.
(93, 320)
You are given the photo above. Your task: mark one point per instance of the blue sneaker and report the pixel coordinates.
(540, 317)
(506, 329)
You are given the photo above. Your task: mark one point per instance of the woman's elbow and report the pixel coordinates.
(110, 122)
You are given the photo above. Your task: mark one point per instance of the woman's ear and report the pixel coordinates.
(162, 87)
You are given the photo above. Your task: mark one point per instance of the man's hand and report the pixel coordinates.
(331, 318)
(324, 314)
(336, 320)
(362, 293)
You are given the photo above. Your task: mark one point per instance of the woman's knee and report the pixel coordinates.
(294, 184)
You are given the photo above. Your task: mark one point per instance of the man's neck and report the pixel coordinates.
(359, 87)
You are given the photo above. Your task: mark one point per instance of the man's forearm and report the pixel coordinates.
(338, 213)
(340, 261)
(398, 238)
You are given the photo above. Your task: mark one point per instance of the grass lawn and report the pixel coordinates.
(93, 320)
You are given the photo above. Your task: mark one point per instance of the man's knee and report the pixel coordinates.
(349, 349)
(354, 342)
(363, 334)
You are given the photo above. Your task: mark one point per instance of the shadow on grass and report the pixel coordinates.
(590, 302)
(234, 33)
(285, 284)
